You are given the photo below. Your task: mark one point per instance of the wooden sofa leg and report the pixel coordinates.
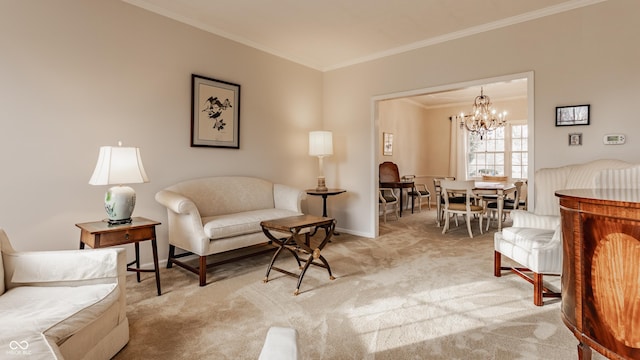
(497, 264)
(172, 252)
(537, 289)
(203, 270)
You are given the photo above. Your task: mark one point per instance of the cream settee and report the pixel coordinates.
(534, 240)
(62, 304)
(213, 215)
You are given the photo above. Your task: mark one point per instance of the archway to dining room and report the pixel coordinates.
(418, 127)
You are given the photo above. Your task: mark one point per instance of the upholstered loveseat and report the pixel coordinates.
(62, 304)
(535, 239)
(213, 215)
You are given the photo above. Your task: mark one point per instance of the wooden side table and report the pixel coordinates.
(298, 242)
(100, 234)
(324, 194)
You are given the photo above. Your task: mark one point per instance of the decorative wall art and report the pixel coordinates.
(387, 144)
(572, 115)
(215, 113)
(575, 139)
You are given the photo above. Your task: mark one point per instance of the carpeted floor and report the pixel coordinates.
(411, 293)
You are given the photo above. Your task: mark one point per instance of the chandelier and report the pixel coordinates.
(484, 118)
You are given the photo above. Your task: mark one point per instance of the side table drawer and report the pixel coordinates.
(124, 236)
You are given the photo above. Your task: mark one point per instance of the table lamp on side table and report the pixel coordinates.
(320, 145)
(118, 165)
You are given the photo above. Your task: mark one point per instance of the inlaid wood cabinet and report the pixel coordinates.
(601, 270)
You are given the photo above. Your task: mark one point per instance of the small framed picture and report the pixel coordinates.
(215, 113)
(572, 115)
(387, 144)
(575, 139)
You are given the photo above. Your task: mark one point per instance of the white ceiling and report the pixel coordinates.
(329, 34)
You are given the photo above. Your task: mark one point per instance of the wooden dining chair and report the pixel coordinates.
(508, 205)
(467, 209)
(419, 191)
(388, 172)
(388, 202)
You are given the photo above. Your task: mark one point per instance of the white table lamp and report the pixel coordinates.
(320, 145)
(118, 165)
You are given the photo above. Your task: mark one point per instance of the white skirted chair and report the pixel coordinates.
(534, 241)
(68, 304)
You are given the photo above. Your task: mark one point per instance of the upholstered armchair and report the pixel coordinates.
(67, 304)
(534, 241)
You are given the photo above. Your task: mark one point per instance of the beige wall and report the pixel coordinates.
(80, 74)
(586, 55)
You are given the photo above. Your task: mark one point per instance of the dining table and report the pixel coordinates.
(481, 188)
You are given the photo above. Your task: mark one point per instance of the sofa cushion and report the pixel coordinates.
(531, 247)
(29, 311)
(248, 222)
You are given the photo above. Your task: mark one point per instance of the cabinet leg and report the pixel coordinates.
(584, 351)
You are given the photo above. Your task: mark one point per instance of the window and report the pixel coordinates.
(501, 152)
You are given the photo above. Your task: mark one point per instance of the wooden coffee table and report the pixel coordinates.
(298, 242)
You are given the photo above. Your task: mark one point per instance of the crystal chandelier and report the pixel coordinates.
(484, 118)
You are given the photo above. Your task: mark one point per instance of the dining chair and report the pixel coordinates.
(419, 191)
(388, 200)
(491, 208)
(468, 208)
(439, 198)
(388, 172)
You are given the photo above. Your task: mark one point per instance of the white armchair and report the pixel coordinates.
(535, 239)
(67, 304)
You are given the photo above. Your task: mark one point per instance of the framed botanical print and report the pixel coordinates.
(215, 113)
(387, 144)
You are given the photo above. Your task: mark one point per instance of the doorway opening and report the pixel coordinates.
(421, 122)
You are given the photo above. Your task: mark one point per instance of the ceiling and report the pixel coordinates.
(330, 34)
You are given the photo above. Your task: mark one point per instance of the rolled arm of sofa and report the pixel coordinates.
(177, 203)
(66, 267)
(525, 219)
(287, 198)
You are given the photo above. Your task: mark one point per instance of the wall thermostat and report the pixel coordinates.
(614, 139)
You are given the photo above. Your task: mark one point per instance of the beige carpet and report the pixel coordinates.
(412, 293)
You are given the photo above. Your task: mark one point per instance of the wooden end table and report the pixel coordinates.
(298, 242)
(99, 234)
(325, 194)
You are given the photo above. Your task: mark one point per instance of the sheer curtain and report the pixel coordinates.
(458, 150)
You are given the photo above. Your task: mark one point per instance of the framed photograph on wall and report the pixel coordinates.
(572, 115)
(387, 144)
(215, 113)
(575, 139)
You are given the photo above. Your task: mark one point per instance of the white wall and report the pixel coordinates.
(75, 75)
(584, 56)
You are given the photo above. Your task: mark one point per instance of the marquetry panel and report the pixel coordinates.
(601, 271)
